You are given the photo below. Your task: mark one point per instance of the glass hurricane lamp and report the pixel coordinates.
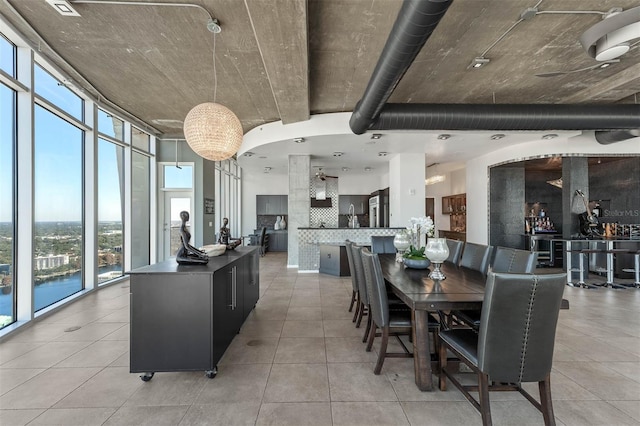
(437, 252)
(401, 242)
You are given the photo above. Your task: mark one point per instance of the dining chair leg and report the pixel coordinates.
(360, 314)
(372, 335)
(355, 314)
(367, 329)
(382, 352)
(545, 401)
(483, 394)
(353, 300)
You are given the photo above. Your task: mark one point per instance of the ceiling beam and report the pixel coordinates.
(619, 86)
(281, 31)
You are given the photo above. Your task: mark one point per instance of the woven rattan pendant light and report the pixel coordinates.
(212, 130)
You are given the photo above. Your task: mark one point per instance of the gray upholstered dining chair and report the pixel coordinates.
(515, 341)
(455, 251)
(514, 261)
(363, 295)
(506, 260)
(354, 284)
(476, 257)
(382, 244)
(389, 322)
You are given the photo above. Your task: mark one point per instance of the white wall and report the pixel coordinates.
(361, 184)
(477, 172)
(406, 188)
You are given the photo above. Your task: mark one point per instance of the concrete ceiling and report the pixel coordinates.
(290, 59)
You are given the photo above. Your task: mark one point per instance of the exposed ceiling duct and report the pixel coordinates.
(416, 21)
(507, 117)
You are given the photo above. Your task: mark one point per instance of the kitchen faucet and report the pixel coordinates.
(352, 214)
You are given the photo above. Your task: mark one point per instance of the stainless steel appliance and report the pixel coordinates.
(374, 212)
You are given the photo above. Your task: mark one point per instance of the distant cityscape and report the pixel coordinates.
(58, 250)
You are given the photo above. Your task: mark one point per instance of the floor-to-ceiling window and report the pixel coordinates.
(58, 203)
(65, 182)
(7, 162)
(228, 195)
(110, 255)
(110, 210)
(140, 199)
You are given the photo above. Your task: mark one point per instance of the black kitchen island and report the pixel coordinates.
(183, 317)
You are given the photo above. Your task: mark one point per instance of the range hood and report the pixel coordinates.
(316, 202)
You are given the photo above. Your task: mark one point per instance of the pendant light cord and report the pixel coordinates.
(215, 74)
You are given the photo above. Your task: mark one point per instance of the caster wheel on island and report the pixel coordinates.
(146, 377)
(212, 373)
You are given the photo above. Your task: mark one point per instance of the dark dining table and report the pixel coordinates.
(462, 289)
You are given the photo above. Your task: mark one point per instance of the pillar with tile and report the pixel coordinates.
(299, 203)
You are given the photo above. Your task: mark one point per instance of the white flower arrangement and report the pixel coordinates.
(417, 227)
(421, 225)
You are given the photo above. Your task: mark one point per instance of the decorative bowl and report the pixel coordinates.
(213, 250)
(417, 263)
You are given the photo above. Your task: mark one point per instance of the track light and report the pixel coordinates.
(478, 62)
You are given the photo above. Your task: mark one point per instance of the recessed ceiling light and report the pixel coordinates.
(550, 136)
(298, 140)
(337, 154)
(478, 62)
(367, 169)
(443, 137)
(267, 169)
(382, 154)
(248, 154)
(168, 122)
(376, 136)
(345, 169)
(63, 7)
(497, 136)
(262, 156)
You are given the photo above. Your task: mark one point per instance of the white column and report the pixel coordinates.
(406, 188)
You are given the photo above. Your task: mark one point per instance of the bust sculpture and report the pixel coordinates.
(224, 236)
(188, 254)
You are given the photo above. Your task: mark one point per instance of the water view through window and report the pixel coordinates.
(58, 230)
(7, 138)
(110, 210)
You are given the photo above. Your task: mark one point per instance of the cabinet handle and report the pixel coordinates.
(234, 296)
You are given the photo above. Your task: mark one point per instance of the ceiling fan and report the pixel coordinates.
(322, 176)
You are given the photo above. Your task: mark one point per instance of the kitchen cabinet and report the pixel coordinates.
(278, 240)
(360, 203)
(272, 204)
(333, 260)
(183, 317)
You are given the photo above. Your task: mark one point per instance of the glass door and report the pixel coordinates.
(175, 202)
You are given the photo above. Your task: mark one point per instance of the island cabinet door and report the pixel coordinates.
(251, 280)
(170, 322)
(227, 306)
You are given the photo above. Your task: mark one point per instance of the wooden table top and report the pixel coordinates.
(462, 288)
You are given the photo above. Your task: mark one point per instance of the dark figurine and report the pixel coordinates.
(225, 236)
(188, 254)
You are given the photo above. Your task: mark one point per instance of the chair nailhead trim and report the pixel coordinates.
(525, 342)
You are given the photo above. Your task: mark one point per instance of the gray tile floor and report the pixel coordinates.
(299, 361)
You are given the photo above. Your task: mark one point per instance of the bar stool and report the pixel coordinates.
(636, 269)
(583, 254)
(610, 254)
